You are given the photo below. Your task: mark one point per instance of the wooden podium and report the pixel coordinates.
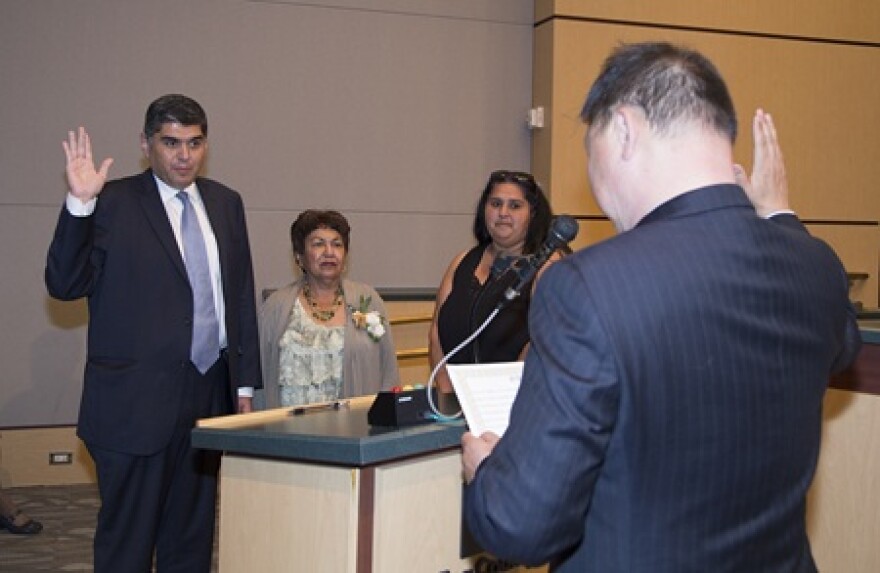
(324, 491)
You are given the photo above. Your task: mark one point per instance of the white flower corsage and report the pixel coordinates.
(369, 320)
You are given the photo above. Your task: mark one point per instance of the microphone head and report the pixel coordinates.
(563, 229)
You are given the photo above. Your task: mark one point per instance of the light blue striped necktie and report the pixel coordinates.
(206, 330)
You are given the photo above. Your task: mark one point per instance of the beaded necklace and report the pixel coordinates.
(318, 313)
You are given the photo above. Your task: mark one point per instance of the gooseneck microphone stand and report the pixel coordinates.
(440, 415)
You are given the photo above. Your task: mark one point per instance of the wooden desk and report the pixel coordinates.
(843, 505)
(324, 491)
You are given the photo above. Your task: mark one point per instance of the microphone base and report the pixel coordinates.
(404, 408)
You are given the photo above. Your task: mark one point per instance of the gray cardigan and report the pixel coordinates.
(368, 365)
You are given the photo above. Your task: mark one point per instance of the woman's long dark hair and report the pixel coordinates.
(541, 214)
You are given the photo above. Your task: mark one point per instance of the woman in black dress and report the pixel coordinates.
(512, 220)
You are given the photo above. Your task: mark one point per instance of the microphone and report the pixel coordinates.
(563, 229)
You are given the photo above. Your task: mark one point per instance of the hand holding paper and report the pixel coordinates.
(475, 449)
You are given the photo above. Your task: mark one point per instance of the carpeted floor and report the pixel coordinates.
(68, 514)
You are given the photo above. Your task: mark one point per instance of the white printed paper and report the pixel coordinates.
(485, 393)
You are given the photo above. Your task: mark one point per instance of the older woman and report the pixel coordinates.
(323, 337)
(512, 221)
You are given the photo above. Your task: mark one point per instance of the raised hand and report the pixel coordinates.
(84, 180)
(767, 188)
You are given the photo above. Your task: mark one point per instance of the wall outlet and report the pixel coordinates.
(58, 458)
(535, 119)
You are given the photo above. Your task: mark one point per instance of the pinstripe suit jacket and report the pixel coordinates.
(670, 411)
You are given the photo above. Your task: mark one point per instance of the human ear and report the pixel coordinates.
(625, 129)
(145, 145)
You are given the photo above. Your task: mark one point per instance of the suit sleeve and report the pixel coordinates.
(852, 339)
(529, 499)
(71, 272)
(248, 371)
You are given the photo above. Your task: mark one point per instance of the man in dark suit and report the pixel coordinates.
(122, 244)
(670, 411)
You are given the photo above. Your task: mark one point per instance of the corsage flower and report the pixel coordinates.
(369, 320)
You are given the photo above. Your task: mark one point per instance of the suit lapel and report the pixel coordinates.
(215, 208)
(216, 213)
(157, 216)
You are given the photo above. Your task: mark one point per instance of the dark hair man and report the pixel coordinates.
(670, 411)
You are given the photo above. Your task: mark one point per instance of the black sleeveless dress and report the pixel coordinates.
(469, 303)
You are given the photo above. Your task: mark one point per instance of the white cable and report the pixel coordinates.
(441, 416)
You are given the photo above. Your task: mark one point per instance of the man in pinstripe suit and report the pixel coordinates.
(669, 416)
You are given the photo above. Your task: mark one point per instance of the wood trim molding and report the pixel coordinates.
(366, 514)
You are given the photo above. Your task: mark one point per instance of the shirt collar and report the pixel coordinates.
(167, 192)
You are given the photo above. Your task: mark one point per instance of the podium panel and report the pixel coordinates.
(325, 491)
(417, 522)
(279, 515)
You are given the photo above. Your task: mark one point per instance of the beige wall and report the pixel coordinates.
(811, 64)
(391, 112)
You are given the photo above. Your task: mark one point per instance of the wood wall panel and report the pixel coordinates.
(854, 20)
(830, 153)
(24, 457)
(412, 337)
(592, 231)
(822, 95)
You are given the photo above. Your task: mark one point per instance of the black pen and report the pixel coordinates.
(298, 410)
